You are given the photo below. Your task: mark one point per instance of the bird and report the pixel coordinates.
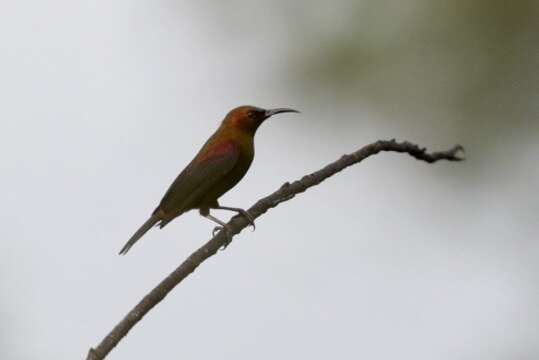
(218, 166)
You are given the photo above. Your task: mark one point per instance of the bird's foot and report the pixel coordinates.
(240, 211)
(228, 234)
(249, 218)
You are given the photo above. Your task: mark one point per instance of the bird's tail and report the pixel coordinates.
(154, 219)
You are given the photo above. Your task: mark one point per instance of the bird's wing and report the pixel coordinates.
(204, 172)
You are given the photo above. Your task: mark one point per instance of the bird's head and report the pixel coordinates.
(248, 118)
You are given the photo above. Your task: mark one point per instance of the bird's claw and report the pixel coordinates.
(249, 218)
(228, 236)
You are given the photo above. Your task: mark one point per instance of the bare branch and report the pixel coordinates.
(238, 223)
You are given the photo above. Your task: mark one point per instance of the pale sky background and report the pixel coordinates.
(105, 102)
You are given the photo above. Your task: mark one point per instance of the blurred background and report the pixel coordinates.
(105, 102)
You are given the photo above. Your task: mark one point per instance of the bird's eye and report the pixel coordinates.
(251, 114)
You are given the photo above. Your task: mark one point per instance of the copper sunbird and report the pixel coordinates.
(219, 165)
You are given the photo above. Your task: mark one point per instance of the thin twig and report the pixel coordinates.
(238, 223)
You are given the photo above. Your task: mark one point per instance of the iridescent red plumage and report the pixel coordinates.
(219, 165)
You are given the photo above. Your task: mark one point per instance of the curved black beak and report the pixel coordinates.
(272, 112)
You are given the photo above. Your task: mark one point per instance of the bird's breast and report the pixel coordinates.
(216, 150)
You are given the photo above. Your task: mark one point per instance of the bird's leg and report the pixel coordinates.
(222, 226)
(239, 211)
